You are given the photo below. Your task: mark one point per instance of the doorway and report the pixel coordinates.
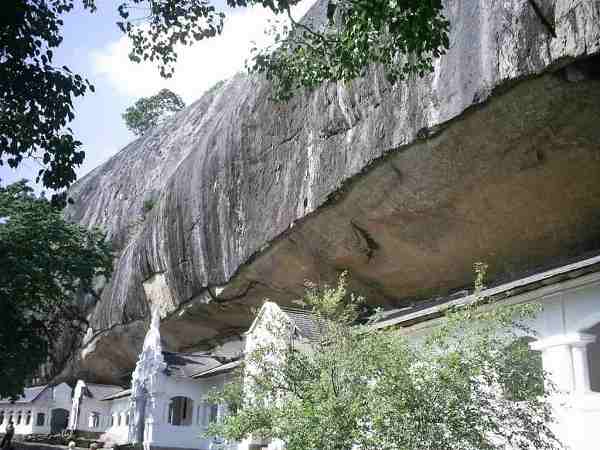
(59, 420)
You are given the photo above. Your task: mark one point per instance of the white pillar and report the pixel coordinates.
(78, 393)
(558, 363)
(565, 359)
(581, 367)
(33, 421)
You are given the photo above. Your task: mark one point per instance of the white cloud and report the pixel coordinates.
(199, 66)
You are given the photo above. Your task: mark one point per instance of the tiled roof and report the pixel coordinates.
(29, 395)
(305, 321)
(120, 394)
(189, 364)
(100, 391)
(223, 368)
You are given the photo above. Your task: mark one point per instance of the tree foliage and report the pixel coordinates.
(361, 387)
(46, 265)
(147, 112)
(37, 95)
(404, 37)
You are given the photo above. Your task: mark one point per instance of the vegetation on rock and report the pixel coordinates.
(404, 37)
(361, 387)
(46, 265)
(148, 112)
(215, 87)
(148, 206)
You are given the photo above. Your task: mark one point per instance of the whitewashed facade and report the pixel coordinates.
(569, 342)
(276, 325)
(41, 409)
(98, 408)
(177, 412)
(117, 421)
(567, 333)
(180, 413)
(167, 406)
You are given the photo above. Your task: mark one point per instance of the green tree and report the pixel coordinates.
(37, 94)
(404, 37)
(147, 112)
(45, 265)
(361, 387)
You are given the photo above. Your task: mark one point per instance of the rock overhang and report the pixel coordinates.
(495, 157)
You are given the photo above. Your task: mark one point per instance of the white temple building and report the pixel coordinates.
(567, 334)
(167, 407)
(169, 412)
(94, 405)
(40, 410)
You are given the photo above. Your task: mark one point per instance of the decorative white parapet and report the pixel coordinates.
(565, 359)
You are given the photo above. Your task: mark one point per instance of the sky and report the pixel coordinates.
(94, 47)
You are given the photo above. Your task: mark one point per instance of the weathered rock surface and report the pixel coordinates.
(494, 157)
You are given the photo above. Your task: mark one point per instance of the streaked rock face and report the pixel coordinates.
(494, 157)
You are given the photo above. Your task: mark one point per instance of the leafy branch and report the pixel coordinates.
(403, 37)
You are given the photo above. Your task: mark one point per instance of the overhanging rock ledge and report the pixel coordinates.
(493, 157)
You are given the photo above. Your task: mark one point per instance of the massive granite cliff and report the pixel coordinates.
(493, 157)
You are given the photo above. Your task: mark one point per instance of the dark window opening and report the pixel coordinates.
(593, 354)
(180, 411)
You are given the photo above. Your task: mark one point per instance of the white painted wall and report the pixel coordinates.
(568, 336)
(14, 412)
(114, 421)
(87, 408)
(61, 395)
(568, 327)
(271, 327)
(565, 330)
(52, 398)
(160, 433)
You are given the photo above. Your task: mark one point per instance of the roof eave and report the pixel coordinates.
(500, 292)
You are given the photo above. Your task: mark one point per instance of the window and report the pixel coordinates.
(118, 420)
(19, 417)
(112, 420)
(127, 419)
(213, 413)
(40, 419)
(28, 418)
(181, 410)
(1, 417)
(10, 416)
(208, 413)
(94, 420)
